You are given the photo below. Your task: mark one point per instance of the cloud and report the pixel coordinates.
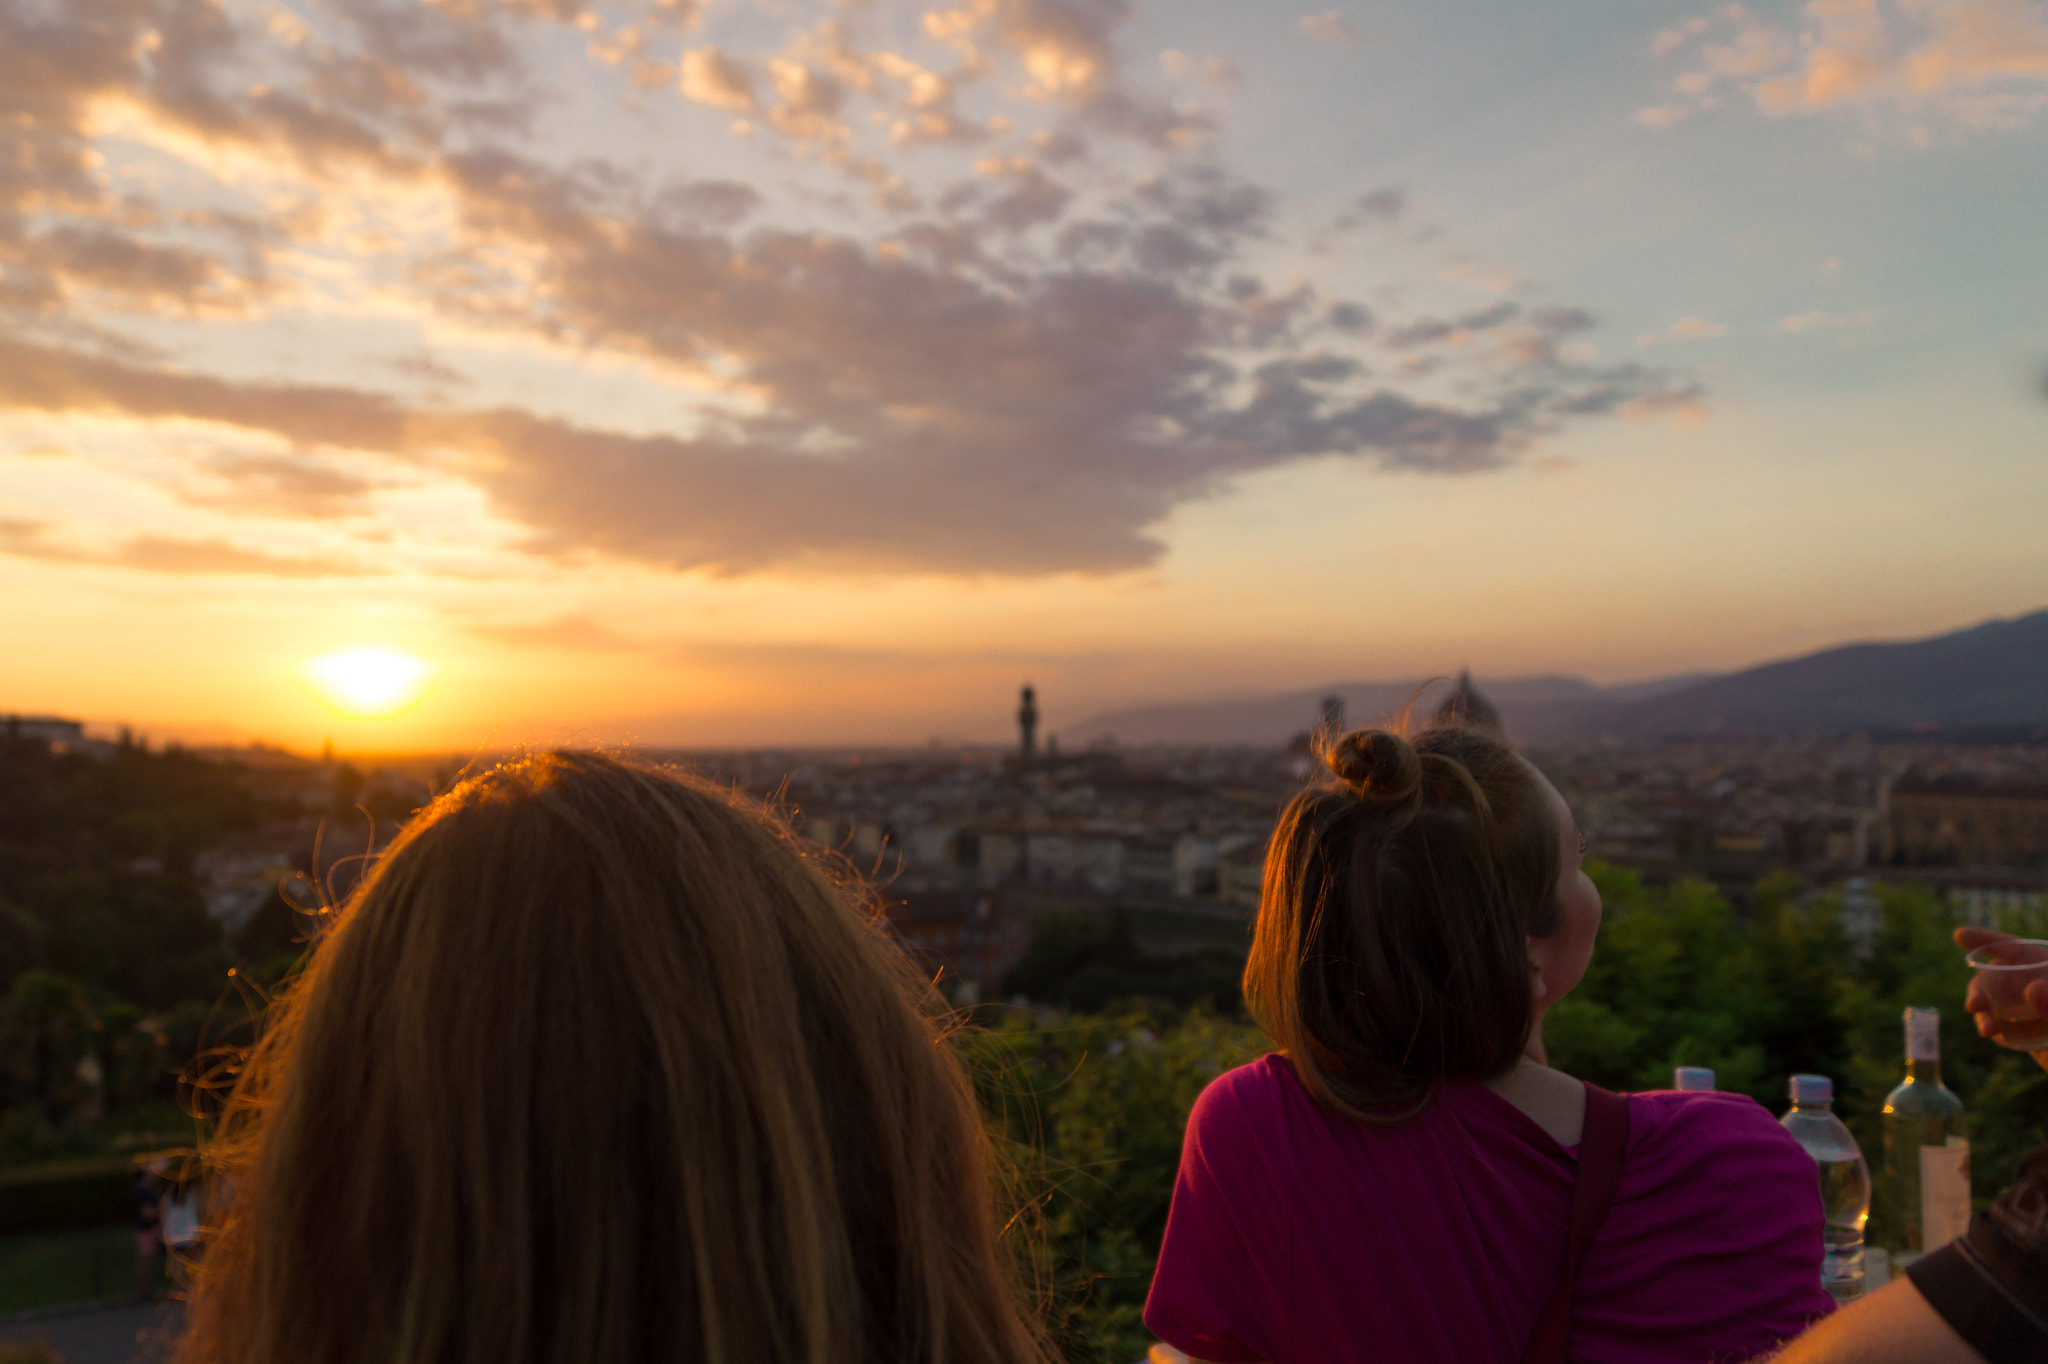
(710, 77)
(277, 485)
(1209, 70)
(1025, 372)
(166, 554)
(1492, 279)
(1684, 329)
(1811, 321)
(1332, 29)
(429, 371)
(1452, 331)
(1979, 64)
(568, 634)
(1661, 115)
(1039, 429)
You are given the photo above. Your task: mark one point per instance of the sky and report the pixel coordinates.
(748, 372)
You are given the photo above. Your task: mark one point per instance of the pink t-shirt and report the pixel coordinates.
(1298, 1234)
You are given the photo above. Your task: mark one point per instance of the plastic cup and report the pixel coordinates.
(2005, 970)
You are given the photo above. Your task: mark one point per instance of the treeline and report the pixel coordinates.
(112, 972)
(1092, 1105)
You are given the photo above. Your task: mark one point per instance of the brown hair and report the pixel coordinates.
(1390, 949)
(597, 1066)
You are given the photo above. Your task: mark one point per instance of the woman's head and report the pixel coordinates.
(597, 1066)
(1420, 909)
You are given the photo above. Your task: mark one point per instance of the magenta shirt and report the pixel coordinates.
(1298, 1234)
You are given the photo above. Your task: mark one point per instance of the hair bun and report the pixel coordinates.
(1382, 769)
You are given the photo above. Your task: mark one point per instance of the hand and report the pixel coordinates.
(1969, 939)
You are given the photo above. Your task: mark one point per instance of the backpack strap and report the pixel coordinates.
(1602, 1150)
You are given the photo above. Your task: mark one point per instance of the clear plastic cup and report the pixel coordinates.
(2004, 971)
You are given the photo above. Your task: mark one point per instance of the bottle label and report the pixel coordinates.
(1923, 1034)
(1944, 1193)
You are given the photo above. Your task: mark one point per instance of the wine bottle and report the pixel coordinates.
(1926, 1147)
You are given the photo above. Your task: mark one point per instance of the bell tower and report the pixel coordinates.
(1027, 724)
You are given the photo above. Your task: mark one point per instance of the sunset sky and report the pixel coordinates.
(720, 372)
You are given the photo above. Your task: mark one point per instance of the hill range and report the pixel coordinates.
(1989, 678)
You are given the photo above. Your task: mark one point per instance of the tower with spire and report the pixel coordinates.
(1027, 725)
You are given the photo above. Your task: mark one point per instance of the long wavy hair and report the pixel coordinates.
(597, 1066)
(1390, 952)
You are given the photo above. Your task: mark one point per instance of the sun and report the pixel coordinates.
(370, 684)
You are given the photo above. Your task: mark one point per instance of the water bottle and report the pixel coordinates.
(1693, 1079)
(1844, 1181)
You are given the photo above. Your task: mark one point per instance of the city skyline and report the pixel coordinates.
(725, 374)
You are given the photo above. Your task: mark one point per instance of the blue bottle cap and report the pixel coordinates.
(1693, 1078)
(1812, 1089)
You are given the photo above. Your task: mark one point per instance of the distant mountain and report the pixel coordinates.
(1274, 719)
(1994, 674)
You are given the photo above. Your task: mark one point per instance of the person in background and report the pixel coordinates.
(180, 1212)
(597, 1066)
(149, 1236)
(1981, 1298)
(1406, 1178)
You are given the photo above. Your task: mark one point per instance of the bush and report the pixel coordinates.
(79, 1193)
(1090, 1111)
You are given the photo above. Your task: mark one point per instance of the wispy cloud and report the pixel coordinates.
(1333, 28)
(1976, 64)
(1684, 329)
(572, 634)
(26, 539)
(1815, 319)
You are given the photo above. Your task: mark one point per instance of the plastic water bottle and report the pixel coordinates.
(1693, 1079)
(1844, 1181)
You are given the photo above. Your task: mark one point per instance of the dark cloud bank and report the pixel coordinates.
(1001, 383)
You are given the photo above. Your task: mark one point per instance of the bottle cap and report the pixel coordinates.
(1693, 1079)
(1812, 1089)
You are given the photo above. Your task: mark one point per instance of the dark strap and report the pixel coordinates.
(1601, 1151)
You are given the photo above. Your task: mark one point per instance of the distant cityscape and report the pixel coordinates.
(967, 846)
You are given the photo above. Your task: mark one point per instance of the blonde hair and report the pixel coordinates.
(596, 1066)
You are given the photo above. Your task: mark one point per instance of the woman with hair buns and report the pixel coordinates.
(596, 1067)
(1405, 1178)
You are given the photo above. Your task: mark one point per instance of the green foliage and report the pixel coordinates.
(1680, 978)
(1088, 960)
(47, 1268)
(75, 1194)
(96, 867)
(1090, 1111)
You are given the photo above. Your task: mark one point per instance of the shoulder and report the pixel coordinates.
(1711, 1140)
(1687, 1121)
(1246, 1097)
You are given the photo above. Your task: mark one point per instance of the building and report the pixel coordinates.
(1027, 725)
(965, 938)
(50, 729)
(1966, 821)
(1467, 708)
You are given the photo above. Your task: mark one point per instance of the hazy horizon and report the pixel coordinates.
(718, 373)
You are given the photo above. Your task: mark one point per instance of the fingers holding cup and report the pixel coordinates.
(2009, 995)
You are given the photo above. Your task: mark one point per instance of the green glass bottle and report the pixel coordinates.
(1926, 1148)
